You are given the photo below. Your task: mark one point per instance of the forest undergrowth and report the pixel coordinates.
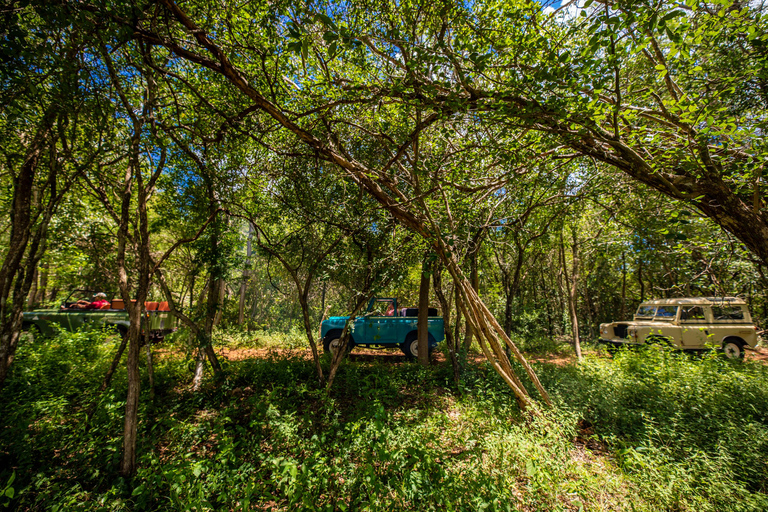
(646, 430)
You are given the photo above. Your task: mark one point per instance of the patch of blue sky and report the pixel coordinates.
(563, 10)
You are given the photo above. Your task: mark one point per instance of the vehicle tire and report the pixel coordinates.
(28, 331)
(121, 331)
(410, 346)
(733, 348)
(332, 341)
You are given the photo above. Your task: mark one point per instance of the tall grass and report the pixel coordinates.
(644, 431)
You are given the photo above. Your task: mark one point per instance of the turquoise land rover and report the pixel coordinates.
(383, 326)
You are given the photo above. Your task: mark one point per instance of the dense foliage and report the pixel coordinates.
(650, 430)
(261, 165)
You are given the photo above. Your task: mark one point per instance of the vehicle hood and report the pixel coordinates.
(638, 323)
(34, 312)
(335, 321)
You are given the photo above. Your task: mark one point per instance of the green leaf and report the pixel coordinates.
(671, 15)
(325, 19)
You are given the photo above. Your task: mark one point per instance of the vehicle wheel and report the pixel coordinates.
(27, 333)
(410, 347)
(331, 344)
(733, 349)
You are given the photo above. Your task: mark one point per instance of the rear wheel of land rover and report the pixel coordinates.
(733, 349)
(410, 347)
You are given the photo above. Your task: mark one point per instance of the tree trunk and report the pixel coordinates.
(457, 324)
(344, 340)
(115, 362)
(508, 313)
(449, 338)
(130, 429)
(475, 281)
(197, 375)
(623, 285)
(15, 272)
(423, 319)
(246, 276)
(573, 283)
(32, 295)
(42, 297)
(150, 366)
(204, 336)
(305, 314)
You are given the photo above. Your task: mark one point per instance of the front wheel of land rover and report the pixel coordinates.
(332, 342)
(733, 349)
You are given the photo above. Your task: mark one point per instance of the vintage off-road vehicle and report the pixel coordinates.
(113, 315)
(383, 326)
(695, 323)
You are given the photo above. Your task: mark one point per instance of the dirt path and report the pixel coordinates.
(759, 354)
(395, 356)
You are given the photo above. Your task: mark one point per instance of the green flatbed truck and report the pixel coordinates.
(114, 315)
(383, 326)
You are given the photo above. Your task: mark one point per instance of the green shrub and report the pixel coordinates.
(648, 430)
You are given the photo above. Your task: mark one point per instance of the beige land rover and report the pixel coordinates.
(687, 323)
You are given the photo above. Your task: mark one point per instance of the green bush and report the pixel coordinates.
(648, 430)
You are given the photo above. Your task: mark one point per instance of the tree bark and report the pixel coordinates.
(32, 296)
(15, 273)
(450, 340)
(305, 314)
(423, 318)
(42, 292)
(573, 291)
(622, 315)
(474, 279)
(344, 340)
(457, 324)
(246, 276)
(115, 362)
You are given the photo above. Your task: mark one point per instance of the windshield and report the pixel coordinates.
(645, 311)
(666, 313)
(382, 307)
